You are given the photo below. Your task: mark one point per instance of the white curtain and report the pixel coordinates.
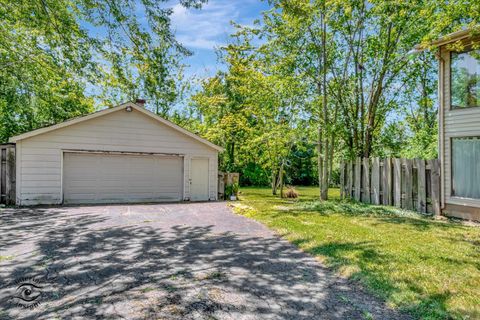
(466, 167)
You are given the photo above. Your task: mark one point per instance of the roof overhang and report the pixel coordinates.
(448, 39)
(103, 112)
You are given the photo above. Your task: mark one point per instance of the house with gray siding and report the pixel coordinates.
(459, 123)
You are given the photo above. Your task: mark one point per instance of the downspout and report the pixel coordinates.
(441, 132)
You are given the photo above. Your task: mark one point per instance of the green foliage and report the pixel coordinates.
(232, 189)
(235, 188)
(297, 102)
(301, 166)
(53, 53)
(252, 110)
(228, 190)
(423, 144)
(253, 174)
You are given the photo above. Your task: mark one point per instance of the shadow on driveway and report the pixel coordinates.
(189, 261)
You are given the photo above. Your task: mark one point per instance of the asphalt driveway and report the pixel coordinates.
(164, 261)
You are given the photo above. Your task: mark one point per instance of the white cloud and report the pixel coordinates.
(203, 30)
(206, 28)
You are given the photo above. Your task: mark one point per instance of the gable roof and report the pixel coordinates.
(103, 112)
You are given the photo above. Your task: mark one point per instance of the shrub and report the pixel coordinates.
(231, 190)
(291, 193)
(228, 190)
(235, 188)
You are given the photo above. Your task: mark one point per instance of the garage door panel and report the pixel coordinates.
(166, 196)
(111, 197)
(139, 185)
(82, 196)
(79, 176)
(170, 176)
(138, 178)
(102, 178)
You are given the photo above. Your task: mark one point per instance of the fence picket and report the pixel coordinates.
(421, 184)
(3, 171)
(358, 178)
(366, 181)
(397, 182)
(350, 179)
(342, 176)
(435, 176)
(7, 174)
(387, 181)
(408, 184)
(375, 181)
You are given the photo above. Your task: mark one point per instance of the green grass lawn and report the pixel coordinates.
(426, 267)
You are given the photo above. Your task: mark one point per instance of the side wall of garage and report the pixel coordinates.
(40, 158)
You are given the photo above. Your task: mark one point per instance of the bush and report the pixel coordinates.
(231, 190)
(291, 193)
(235, 188)
(228, 190)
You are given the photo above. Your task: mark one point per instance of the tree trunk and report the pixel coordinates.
(332, 141)
(231, 156)
(280, 178)
(325, 175)
(330, 156)
(320, 160)
(274, 181)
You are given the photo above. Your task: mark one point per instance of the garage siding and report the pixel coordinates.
(40, 158)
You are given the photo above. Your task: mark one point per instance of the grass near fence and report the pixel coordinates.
(428, 268)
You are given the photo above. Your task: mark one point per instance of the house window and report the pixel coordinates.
(465, 79)
(466, 167)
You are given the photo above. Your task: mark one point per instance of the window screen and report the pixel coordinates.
(466, 167)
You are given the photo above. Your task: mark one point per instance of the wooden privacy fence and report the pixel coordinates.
(412, 184)
(7, 174)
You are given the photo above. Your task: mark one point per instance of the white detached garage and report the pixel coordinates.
(118, 155)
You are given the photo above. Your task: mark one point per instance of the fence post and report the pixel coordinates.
(397, 182)
(435, 178)
(10, 177)
(422, 191)
(342, 179)
(375, 181)
(358, 178)
(387, 181)
(221, 185)
(366, 181)
(236, 177)
(408, 184)
(3, 171)
(350, 179)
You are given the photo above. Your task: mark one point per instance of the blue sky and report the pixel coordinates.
(203, 30)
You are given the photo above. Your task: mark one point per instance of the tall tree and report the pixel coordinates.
(57, 58)
(252, 109)
(297, 37)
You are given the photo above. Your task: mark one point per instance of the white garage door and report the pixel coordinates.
(107, 178)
